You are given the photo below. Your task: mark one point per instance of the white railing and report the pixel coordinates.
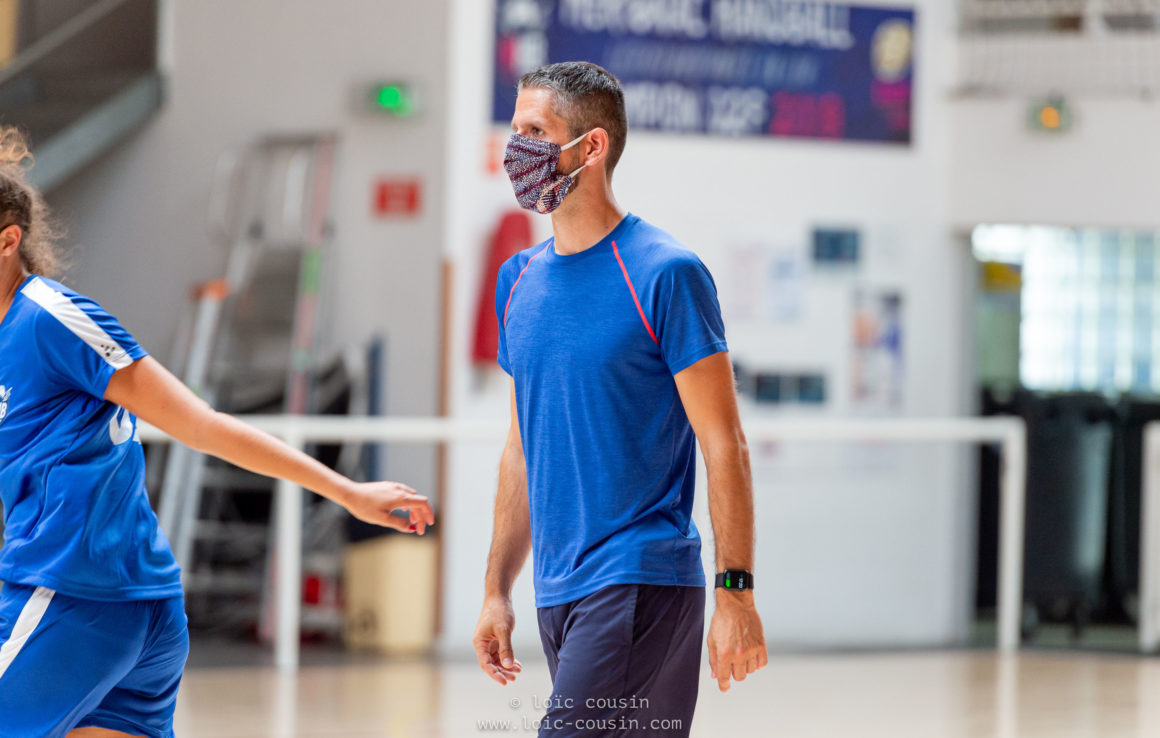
(1004, 9)
(1013, 47)
(297, 431)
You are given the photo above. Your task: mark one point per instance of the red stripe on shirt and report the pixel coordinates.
(513, 290)
(635, 299)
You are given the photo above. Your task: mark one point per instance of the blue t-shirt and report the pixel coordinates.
(72, 473)
(592, 341)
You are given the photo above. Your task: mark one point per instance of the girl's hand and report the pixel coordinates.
(373, 502)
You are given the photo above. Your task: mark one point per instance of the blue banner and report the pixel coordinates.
(726, 67)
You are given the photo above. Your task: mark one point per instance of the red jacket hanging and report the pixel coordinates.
(512, 234)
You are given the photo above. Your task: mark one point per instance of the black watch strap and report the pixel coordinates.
(737, 579)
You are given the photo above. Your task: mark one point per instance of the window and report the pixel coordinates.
(1089, 305)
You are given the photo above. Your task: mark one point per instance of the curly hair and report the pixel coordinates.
(21, 205)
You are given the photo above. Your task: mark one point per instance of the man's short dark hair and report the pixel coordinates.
(586, 96)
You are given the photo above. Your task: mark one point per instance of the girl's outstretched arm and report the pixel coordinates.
(149, 391)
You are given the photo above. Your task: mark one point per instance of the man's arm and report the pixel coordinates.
(736, 640)
(511, 541)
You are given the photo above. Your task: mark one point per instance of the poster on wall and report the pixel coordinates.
(764, 283)
(782, 68)
(877, 362)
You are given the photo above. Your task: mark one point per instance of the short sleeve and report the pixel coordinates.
(503, 288)
(689, 324)
(80, 345)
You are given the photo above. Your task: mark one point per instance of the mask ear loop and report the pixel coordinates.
(569, 145)
(577, 140)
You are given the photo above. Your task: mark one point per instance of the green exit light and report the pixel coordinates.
(392, 98)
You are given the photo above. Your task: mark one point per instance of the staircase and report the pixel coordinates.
(83, 76)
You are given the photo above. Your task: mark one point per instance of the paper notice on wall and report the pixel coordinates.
(741, 289)
(785, 285)
(877, 359)
(763, 283)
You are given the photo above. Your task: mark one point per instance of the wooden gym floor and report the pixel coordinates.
(953, 694)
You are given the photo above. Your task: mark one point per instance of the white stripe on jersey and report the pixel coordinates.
(77, 321)
(29, 618)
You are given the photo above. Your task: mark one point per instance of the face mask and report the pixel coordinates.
(531, 166)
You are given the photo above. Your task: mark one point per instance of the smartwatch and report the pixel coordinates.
(736, 579)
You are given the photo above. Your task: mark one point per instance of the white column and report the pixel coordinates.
(1150, 541)
(288, 512)
(1012, 502)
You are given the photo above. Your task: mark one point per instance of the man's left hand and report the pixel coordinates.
(736, 639)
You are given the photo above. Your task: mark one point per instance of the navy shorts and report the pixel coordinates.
(71, 663)
(625, 661)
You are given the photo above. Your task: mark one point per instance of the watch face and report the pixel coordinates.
(737, 579)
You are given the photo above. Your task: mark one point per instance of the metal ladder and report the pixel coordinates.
(249, 342)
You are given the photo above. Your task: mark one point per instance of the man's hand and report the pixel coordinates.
(736, 639)
(372, 502)
(493, 640)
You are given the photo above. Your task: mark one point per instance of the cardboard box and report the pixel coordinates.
(390, 594)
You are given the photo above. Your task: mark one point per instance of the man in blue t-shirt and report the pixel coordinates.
(612, 334)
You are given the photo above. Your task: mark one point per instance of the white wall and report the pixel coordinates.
(1102, 172)
(857, 546)
(238, 70)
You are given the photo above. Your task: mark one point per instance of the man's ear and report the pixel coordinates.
(598, 144)
(10, 238)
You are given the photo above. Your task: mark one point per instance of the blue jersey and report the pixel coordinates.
(592, 341)
(72, 474)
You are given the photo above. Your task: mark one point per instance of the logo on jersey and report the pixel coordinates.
(5, 394)
(120, 427)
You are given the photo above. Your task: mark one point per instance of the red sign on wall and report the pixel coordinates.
(398, 197)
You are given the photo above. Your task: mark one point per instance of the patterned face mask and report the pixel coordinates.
(531, 166)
